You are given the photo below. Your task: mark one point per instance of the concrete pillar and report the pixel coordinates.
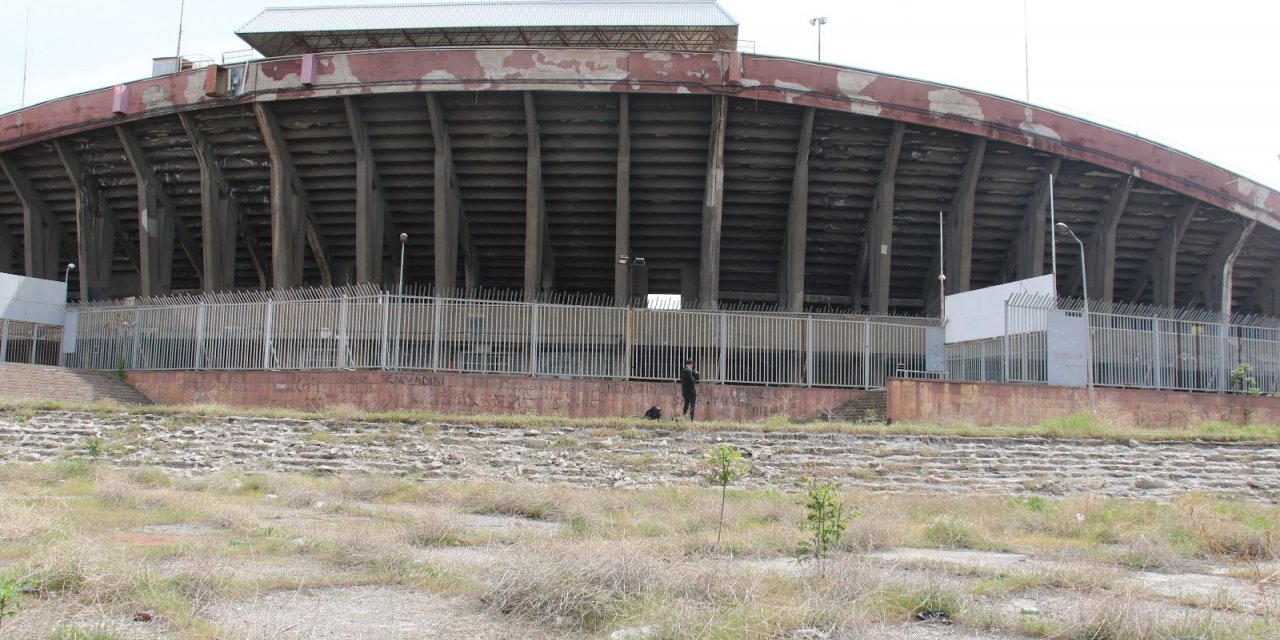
(713, 207)
(622, 214)
(791, 273)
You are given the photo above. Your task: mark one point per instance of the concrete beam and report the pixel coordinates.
(622, 212)
(219, 216)
(877, 241)
(792, 267)
(449, 218)
(1027, 252)
(42, 233)
(291, 219)
(713, 207)
(539, 259)
(1209, 285)
(371, 202)
(98, 229)
(158, 223)
(1161, 269)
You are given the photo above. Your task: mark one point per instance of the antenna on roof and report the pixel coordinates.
(177, 56)
(26, 47)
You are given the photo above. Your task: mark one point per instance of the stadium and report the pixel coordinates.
(526, 148)
(606, 151)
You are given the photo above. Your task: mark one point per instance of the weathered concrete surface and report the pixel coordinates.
(667, 455)
(40, 382)
(993, 403)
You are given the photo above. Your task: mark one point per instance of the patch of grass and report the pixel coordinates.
(949, 531)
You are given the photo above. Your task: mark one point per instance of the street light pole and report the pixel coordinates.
(818, 22)
(1084, 278)
(404, 238)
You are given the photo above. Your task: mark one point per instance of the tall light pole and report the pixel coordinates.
(66, 273)
(404, 239)
(818, 22)
(1084, 279)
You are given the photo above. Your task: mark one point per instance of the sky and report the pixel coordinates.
(1197, 76)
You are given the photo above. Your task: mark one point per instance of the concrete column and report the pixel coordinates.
(157, 221)
(713, 207)
(877, 242)
(539, 263)
(1162, 268)
(959, 224)
(622, 215)
(1100, 248)
(371, 205)
(791, 285)
(446, 208)
(288, 232)
(42, 233)
(95, 228)
(219, 214)
(1209, 285)
(1029, 243)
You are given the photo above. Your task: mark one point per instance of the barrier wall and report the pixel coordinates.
(995, 403)
(470, 394)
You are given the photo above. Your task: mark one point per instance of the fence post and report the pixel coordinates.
(866, 353)
(386, 325)
(724, 347)
(1157, 358)
(201, 318)
(344, 308)
(436, 330)
(266, 336)
(808, 351)
(1005, 357)
(627, 339)
(1224, 367)
(137, 337)
(533, 338)
(4, 342)
(35, 342)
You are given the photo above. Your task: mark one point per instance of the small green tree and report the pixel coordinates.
(8, 599)
(826, 517)
(726, 468)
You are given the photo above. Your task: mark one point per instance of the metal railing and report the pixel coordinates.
(362, 327)
(1135, 346)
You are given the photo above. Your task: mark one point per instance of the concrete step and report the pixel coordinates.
(42, 382)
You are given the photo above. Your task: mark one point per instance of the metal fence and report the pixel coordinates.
(1132, 345)
(29, 343)
(363, 327)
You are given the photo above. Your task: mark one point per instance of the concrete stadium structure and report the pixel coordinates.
(531, 159)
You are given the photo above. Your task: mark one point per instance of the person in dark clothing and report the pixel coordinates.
(689, 388)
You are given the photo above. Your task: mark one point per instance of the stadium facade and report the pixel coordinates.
(529, 150)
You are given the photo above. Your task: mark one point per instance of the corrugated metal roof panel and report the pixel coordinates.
(531, 13)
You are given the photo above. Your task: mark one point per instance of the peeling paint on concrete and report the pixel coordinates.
(1253, 191)
(1036, 130)
(853, 83)
(749, 83)
(790, 86)
(156, 97)
(195, 88)
(950, 102)
(439, 74)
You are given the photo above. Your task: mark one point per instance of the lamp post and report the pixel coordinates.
(818, 22)
(404, 238)
(1084, 279)
(66, 273)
